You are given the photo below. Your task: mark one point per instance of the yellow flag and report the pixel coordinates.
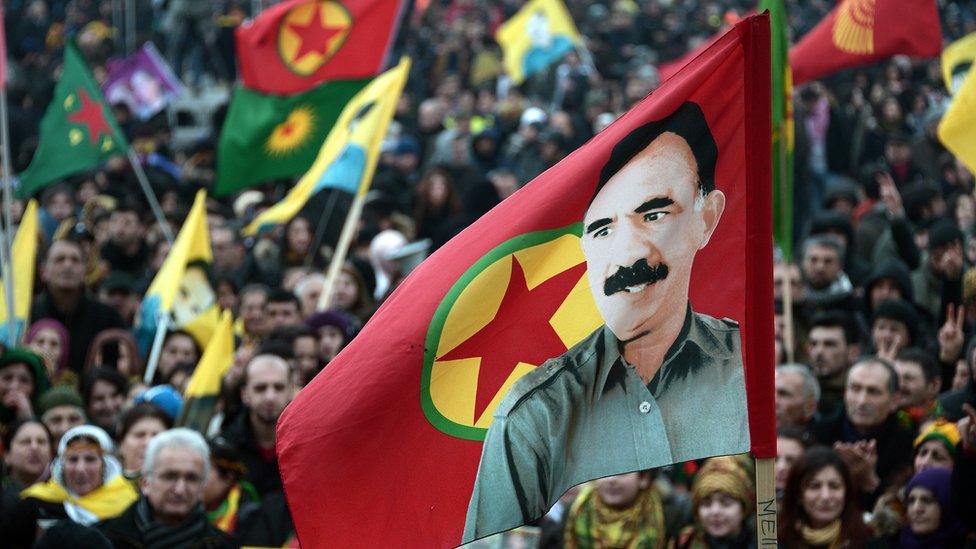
(23, 257)
(348, 157)
(956, 128)
(957, 58)
(540, 34)
(203, 389)
(182, 286)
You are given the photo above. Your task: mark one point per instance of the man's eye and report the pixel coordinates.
(602, 232)
(654, 216)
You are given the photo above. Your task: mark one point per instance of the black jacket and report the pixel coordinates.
(89, 318)
(124, 533)
(261, 473)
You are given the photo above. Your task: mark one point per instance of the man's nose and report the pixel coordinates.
(632, 243)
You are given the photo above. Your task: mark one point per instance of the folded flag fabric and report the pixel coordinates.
(483, 384)
(203, 389)
(298, 44)
(78, 131)
(142, 81)
(957, 61)
(182, 287)
(540, 34)
(268, 137)
(858, 32)
(348, 157)
(23, 252)
(956, 128)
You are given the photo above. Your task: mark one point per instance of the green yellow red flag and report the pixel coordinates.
(348, 157)
(78, 131)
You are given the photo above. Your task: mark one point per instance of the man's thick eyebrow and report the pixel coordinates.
(597, 224)
(654, 204)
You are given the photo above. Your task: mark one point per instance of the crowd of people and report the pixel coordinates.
(876, 306)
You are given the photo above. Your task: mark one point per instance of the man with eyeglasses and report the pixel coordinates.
(170, 511)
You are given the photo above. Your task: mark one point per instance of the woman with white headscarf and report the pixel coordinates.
(86, 486)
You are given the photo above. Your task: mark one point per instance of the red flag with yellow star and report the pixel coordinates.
(528, 353)
(78, 131)
(297, 44)
(858, 32)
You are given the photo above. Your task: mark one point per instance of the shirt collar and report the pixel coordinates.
(695, 340)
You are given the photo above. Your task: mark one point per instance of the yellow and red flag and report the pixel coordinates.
(409, 403)
(858, 32)
(295, 45)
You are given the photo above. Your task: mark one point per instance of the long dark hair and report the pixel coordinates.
(793, 515)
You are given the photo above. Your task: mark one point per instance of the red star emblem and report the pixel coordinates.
(313, 36)
(91, 116)
(520, 331)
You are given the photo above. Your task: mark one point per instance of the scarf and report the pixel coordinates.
(157, 535)
(592, 524)
(225, 515)
(951, 529)
(828, 536)
(107, 501)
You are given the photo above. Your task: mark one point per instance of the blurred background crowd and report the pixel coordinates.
(876, 359)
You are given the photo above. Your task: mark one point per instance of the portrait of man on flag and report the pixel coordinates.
(628, 397)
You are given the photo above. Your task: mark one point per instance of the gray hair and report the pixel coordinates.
(811, 387)
(180, 437)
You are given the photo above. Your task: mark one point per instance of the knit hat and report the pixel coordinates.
(942, 233)
(945, 432)
(724, 474)
(34, 363)
(900, 311)
(334, 318)
(59, 396)
(165, 397)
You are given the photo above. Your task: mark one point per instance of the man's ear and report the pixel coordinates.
(712, 208)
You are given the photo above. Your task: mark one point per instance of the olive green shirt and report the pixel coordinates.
(587, 414)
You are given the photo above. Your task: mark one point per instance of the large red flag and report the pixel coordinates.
(297, 44)
(437, 423)
(858, 32)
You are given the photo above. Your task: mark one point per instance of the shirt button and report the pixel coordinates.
(644, 407)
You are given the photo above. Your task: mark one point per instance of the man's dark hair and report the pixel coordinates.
(279, 295)
(837, 319)
(874, 359)
(688, 122)
(930, 367)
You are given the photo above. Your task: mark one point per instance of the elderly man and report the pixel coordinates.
(797, 395)
(868, 435)
(169, 513)
(633, 389)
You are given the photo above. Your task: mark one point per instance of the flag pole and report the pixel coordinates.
(342, 248)
(150, 195)
(7, 228)
(320, 228)
(766, 503)
(162, 326)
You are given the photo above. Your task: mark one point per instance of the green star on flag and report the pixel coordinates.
(78, 131)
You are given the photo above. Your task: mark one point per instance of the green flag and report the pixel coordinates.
(78, 131)
(782, 96)
(271, 136)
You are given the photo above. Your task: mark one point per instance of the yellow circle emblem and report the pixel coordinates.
(291, 133)
(311, 33)
(854, 27)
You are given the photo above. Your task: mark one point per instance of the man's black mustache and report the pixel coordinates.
(639, 273)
